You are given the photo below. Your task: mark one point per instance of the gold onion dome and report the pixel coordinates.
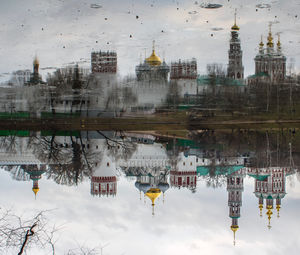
(35, 190)
(269, 213)
(260, 209)
(278, 209)
(270, 38)
(36, 61)
(235, 27)
(278, 43)
(234, 228)
(154, 60)
(261, 44)
(153, 194)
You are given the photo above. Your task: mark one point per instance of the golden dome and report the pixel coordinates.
(269, 213)
(36, 61)
(278, 209)
(260, 209)
(154, 60)
(35, 190)
(234, 228)
(235, 27)
(153, 194)
(261, 44)
(270, 38)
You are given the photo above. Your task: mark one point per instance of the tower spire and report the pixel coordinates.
(278, 43)
(269, 213)
(261, 45)
(260, 209)
(235, 27)
(270, 43)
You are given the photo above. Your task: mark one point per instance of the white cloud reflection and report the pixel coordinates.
(185, 223)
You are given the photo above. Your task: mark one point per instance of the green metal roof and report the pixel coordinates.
(259, 177)
(206, 80)
(219, 170)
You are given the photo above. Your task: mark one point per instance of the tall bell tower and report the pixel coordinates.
(235, 65)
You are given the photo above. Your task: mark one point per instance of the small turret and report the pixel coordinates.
(270, 43)
(261, 46)
(235, 27)
(278, 44)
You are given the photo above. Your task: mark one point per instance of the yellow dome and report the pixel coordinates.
(278, 209)
(260, 209)
(154, 60)
(36, 61)
(153, 194)
(261, 44)
(235, 27)
(35, 190)
(234, 228)
(269, 213)
(270, 38)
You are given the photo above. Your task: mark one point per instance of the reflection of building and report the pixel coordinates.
(104, 180)
(152, 183)
(104, 62)
(235, 188)
(35, 172)
(270, 64)
(153, 69)
(235, 66)
(269, 186)
(184, 175)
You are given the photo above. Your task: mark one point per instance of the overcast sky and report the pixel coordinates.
(65, 31)
(185, 224)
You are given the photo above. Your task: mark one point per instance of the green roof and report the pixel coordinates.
(261, 74)
(14, 115)
(259, 177)
(219, 170)
(14, 133)
(206, 80)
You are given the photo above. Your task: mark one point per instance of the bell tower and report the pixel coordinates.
(235, 65)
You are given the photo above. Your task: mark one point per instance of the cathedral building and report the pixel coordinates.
(153, 68)
(235, 66)
(270, 63)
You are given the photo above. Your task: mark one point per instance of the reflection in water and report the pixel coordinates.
(157, 167)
